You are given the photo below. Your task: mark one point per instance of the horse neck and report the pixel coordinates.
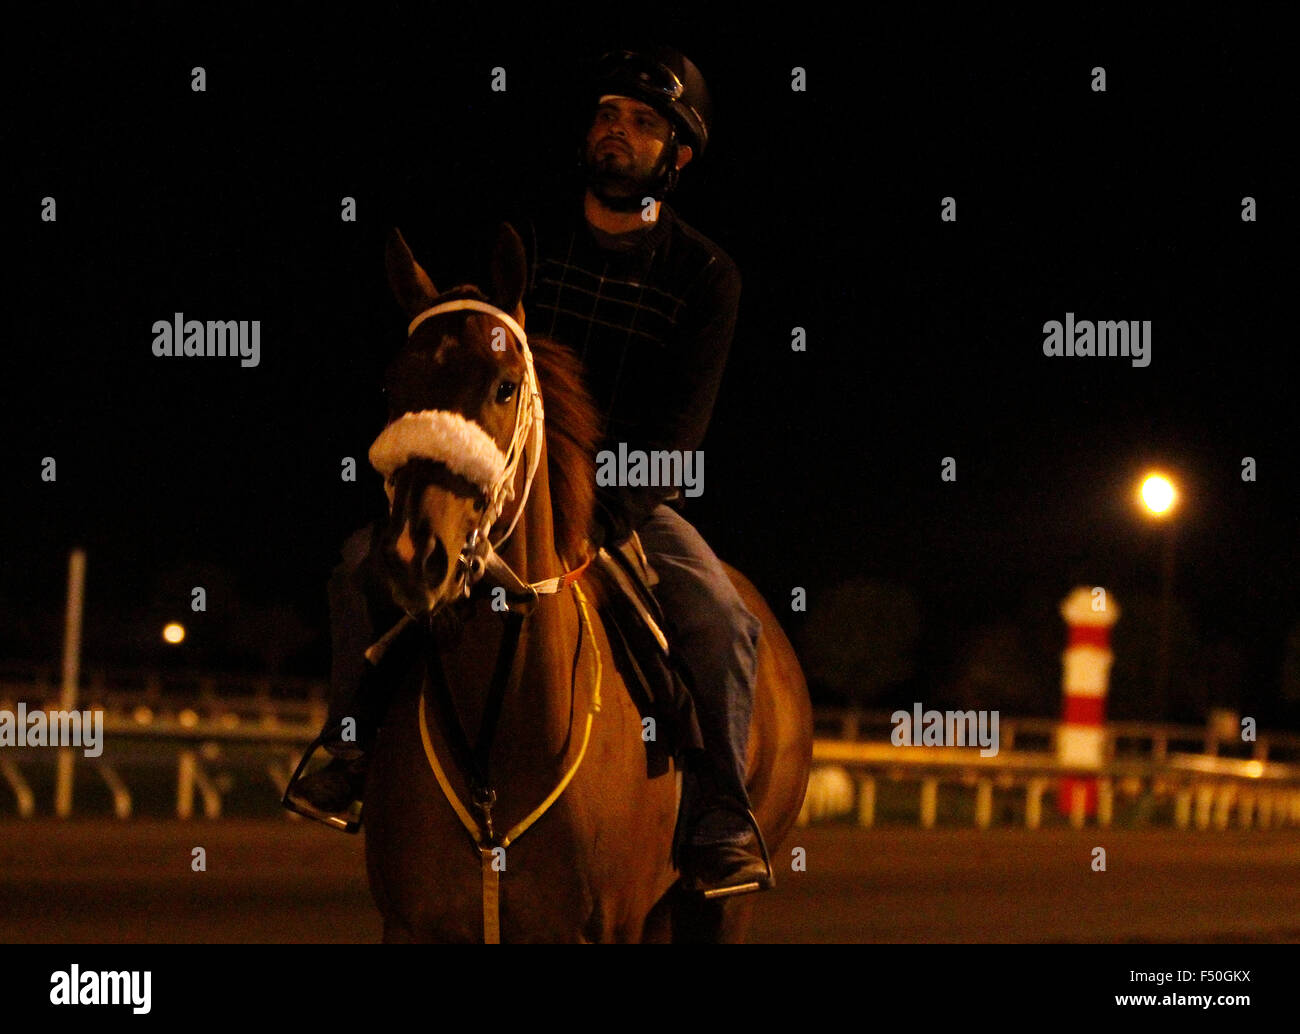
(530, 550)
(536, 714)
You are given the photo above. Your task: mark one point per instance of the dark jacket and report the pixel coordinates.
(652, 314)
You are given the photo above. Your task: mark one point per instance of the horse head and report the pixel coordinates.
(464, 426)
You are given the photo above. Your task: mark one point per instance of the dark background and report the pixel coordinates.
(822, 468)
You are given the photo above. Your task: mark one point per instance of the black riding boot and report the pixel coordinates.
(333, 794)
(361, 612)
(721, 851)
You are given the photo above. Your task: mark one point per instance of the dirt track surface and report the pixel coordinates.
(100, 881)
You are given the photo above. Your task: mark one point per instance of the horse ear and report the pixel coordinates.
(411, 285)
(509, 268)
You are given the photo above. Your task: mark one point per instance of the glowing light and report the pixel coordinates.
(174, 633)
(1158, 494)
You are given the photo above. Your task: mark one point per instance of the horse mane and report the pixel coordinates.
(572, 432)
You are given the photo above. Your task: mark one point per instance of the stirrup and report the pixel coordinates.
(747, 888)
(349, 824)
(681, 836)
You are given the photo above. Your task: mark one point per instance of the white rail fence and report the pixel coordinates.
(190, 722)
(196, 725)
(1205, 789)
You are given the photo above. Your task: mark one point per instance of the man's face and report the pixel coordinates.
(625, 143)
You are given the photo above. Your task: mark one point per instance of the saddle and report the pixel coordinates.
(636, 629)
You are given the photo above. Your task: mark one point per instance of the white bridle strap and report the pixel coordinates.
(474, 306)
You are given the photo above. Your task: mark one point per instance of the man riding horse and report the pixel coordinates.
(650, 305)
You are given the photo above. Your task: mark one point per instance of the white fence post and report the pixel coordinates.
(71, 672)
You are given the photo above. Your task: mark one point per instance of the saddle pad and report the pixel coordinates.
(628, 568)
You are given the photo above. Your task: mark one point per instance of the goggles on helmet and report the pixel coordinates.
(650, 75)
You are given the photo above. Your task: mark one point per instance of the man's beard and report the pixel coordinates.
(619, 188)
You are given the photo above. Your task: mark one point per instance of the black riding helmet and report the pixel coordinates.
(671, 84)
(666, 80)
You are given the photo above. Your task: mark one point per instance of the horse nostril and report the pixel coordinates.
(435, 564)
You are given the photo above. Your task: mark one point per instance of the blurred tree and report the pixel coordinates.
(1135, 640)
(1291, 674)
(1218, 681)
(859, 640)
(994, 672)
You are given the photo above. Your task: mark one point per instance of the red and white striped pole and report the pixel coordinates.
(1081, 739)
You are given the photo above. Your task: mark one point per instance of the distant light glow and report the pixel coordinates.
(1158, 494)
(174, 633)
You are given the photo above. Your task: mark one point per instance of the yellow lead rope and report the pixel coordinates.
(487, 850)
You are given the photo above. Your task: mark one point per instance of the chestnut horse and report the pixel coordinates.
(596, 864)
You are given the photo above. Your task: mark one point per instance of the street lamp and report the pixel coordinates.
(1159, 497)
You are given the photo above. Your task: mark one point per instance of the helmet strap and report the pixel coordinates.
(666, 169)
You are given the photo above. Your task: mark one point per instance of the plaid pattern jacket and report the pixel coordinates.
(652, 313)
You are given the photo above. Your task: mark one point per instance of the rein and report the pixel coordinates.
(474, 761)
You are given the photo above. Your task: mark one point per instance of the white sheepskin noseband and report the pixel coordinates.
(437, 434)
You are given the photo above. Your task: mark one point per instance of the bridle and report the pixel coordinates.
(466, 449)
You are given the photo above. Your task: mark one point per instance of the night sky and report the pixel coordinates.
(822, 467)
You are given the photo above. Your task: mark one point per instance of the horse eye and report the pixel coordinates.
(505, 390)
